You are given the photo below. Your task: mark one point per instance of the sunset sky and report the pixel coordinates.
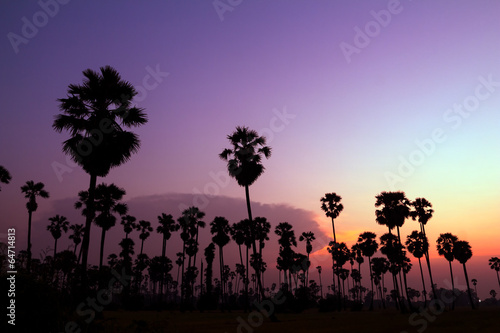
(355, 97)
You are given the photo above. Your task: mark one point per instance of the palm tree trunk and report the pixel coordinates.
(498, 278)
(101, 253)
(55, 248)
(86, 235)
(468, 288)
(334, 236)
(452, 286)
(429, 266)
(371, 280)
(28, 265)
(221, 269)
(423, 282)
(162, 275)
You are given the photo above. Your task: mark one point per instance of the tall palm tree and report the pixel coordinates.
(445, 244)
(320, 283)
(145, 231)
(58, 225)
(418, 245)
(95, 114)
(494, 263)
(32, 190)
(380, 266)
(129, 225)
(367, 242)
(166, 227)
(332, 207)
(422, 212)
(393, 250)
(340, 254)
(220, 229)
(106, 203)
(462, 252)
(287, 254)
(5, 176)
(308, 237)
(209, 257)
(77, 234)
(244, 164)
(239, 233)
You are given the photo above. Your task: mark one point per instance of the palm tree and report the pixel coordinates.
(445, 244)
(58, 225)
(5, 176)
(308, 237)
(462, 252)
(340, 255)
(418, 245)
(244, 164)
(474, 283)
(494, 263)
(380, 266)
(286, 241)
(129, 225)
(332, 207)
(261, 231)
(220, 229)
(145, 229)
(239, 233)
(209, 257)
(32, 190)
(95, 114)
(422, 211)
(76, 236)
(367, 242)
(393, 250)
(320, 284)
(166, 227)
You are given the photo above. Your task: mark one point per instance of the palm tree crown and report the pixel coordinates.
(5, 176)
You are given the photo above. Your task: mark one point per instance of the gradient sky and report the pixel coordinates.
(357, 124)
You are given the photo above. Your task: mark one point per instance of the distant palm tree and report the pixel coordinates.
(422, 211)
(32, 190)
(494, 263)
(220, 229)
(340, 255)
(5, 176)
(166, 227)
(393, 250)
(244, 164)
(474, 283)
(308, 237)
(320, 283)
(77, 234)
(445, 245)
(367, 242)
(418, 245)
(129, 225)
(58, 225)
(380, 266)
(209, 258)
(287, 254)
(493, 293)
(462, 252)
(145, 229)
(332, 207)
(106, 202)
(95, 114)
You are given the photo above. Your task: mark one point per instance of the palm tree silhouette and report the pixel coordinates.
(239, 233)
(380, 266)
(129, 225)
(393, 250)
(261, 231)
(367, 242)
(474, 283)
(76, 236)
(332, 207)
(462, 252)
(286, 241)
(58, 225)
(445, 245)
(32, 190)
(358, 256)
(5, 176)
(220, 230)
(166, 227)
(244, 165)
(418, 245)
(320, 283)
(422, 211)
(494, 263)
(145, 231)
(308, 237)
(340, 255)
(209, 258)
(95, 114)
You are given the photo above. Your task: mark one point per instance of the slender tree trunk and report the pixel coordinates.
(247, 281)
(427, 259)
(55, 248)
(321, 285)
(498, 278)
(453, 286)
(423, 282)
(371, 280)
(86, 235)
(468, 288)
(28, 265)
(162, 275)
(101, 253)
(334, 236)
(221, 269)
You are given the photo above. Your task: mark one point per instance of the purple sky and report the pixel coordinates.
(337, 122)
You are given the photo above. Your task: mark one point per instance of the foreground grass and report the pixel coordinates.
(460, 320)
